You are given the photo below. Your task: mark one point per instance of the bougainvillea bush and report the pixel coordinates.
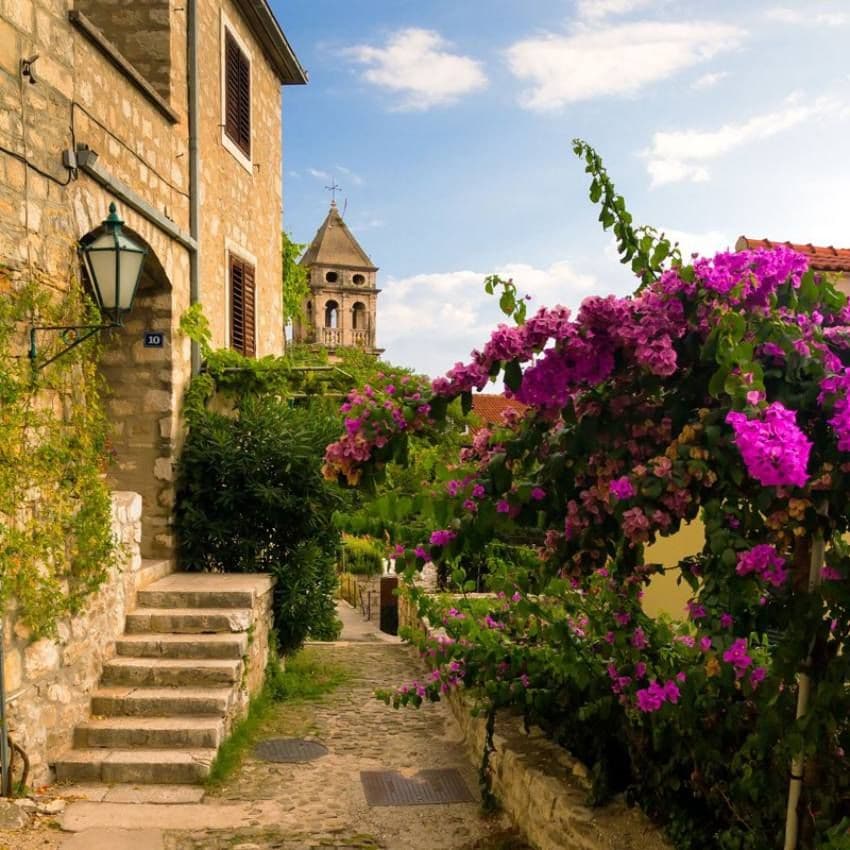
(720, 389)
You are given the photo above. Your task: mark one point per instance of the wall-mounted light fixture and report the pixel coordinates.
(114, 263)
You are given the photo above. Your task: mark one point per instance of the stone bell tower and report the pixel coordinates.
(342, 306)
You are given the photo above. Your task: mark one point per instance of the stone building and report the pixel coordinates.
(172, 111)
(342, 306)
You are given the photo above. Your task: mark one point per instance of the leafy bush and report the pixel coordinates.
(362, 556)
(251, 498)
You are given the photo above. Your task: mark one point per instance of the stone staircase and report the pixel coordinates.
(192, 655)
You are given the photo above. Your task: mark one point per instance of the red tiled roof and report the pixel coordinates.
(489, 408)
(821, 259)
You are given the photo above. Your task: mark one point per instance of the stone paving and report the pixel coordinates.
(313, 806)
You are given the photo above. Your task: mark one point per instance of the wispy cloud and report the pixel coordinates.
(419, 67)
(683, 155)
(596, 9)
(319, 174)
(708, 81)
(616, 60)
(354, 178)
(810, 17)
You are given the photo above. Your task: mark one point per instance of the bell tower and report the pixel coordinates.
(342, 306)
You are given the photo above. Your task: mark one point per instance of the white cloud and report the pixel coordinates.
(417, 65)
(682, 154)
(618, 60)
(786, 15)
(355, 178)
(596, 9)
(319, 174)
(705, 244)
(708, 81)
(430, 321)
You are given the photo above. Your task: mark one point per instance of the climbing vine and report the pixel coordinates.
(55, 512)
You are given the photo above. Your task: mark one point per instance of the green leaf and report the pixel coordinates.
(513, 375)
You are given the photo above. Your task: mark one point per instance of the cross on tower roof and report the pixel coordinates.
(333, 189)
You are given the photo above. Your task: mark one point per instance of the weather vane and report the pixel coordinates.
(333, 189)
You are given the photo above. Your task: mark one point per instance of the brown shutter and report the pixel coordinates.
(237, 95)
(250, 311)
(237, 305)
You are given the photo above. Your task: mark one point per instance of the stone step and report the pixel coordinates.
(151, 767)
(171, 672)
(204, 590)
(189, 621)
(123, 701)
(183, 646)
(124, 733)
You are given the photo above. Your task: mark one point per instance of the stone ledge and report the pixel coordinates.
(83, 23)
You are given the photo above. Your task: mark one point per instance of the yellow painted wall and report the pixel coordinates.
(664, 595)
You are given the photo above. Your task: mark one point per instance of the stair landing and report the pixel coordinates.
(177, 682)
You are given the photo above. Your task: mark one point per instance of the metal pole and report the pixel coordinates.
(5, 779)
(194, 167)
(804, 690)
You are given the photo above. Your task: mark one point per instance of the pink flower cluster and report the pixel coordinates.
(765, 562)
(774, 449)
(651, 698)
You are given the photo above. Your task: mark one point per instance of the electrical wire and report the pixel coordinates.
(21, 158)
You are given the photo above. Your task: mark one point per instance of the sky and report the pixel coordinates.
(448, 126)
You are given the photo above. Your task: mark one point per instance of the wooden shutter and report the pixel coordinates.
(237, 94)
(242, 308)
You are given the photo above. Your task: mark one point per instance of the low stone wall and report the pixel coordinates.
(540, 785)
(49, 681)
(257, 657)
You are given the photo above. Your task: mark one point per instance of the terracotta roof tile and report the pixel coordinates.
(489, 408)
(821, 259)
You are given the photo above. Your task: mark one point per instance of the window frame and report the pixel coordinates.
(235, 257)
(245, 160)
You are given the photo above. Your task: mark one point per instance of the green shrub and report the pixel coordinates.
(251, 498)
(362, 556)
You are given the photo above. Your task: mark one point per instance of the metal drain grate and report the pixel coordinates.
(289, 750)
(427, 788)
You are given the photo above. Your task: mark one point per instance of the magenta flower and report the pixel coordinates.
(478, 492)
(420, 552)
(705, 644)
(726, 621)
(774, 450)
(622, 488)
(696, 611)
(638, 639)
(503, 506)
(737, 656)
(442, 537)
(757, 676)
(538, 494)
(764, 561)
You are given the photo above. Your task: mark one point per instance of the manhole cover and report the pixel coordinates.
(292, 750)
(428, 787)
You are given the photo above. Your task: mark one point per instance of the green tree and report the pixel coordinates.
(295, 279)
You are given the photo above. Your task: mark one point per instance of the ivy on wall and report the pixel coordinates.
(56, 543)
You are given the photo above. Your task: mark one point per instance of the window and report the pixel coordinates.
(331, 314)
(359, 279)
(242, 307)
(358, 316)
(237, 94)
(331, 277)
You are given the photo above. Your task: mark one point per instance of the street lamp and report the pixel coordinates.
(114, 263)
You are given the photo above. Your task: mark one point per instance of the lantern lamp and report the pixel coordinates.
(113, 262)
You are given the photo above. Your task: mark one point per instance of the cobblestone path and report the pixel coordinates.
(324, 799)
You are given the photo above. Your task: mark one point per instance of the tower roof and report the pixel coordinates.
(335, 245)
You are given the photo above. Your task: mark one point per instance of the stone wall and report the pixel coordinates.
(49, 681)
(240, 201)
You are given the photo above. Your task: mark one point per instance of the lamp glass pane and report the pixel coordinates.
(131, 267)
(102, 269)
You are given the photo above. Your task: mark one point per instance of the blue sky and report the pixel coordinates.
(448, 126)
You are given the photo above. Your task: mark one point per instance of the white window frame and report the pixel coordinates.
(227, 143)
(232, 249)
